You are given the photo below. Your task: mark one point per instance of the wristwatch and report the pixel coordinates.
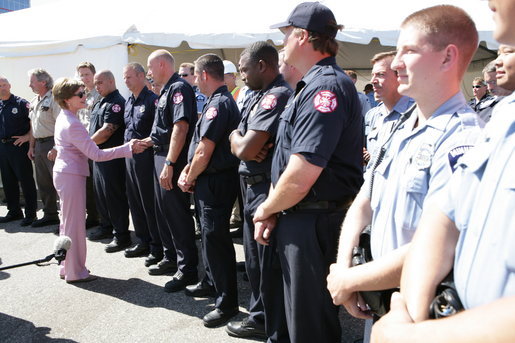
(169, 163)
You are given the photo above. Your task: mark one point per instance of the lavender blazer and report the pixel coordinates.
(74, 146)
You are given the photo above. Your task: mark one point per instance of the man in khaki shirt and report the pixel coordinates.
(43, 113)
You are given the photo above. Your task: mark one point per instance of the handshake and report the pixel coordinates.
(140, 145)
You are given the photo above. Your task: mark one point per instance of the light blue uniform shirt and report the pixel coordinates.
(379, 123)
(480, 200)
(418, 162)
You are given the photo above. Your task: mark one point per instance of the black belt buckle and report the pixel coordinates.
(45, 139)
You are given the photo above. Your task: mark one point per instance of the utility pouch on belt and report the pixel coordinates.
(446, 302)
(377, 301)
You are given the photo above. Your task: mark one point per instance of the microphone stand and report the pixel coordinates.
(46, 259)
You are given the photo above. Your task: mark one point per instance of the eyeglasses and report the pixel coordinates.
(478, 86)
(80, 94)
(184, 75)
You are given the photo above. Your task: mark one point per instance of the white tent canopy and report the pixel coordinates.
(59, 35)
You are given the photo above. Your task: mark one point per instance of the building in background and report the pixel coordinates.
(13, 5)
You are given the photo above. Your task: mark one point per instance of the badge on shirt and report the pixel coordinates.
(15, 110)
(177, 98)
(28, 106)
(269, 102)
(325, 102)
(142, 108)
(211, 113)
(424, 156)
(116, 108)
(455, 154)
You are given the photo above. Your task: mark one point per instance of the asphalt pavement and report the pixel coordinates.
(125, 304)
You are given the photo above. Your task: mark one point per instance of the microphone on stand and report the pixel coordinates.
(61, 245)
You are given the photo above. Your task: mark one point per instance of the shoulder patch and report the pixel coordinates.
(116, 108)
(455, 154)
(211, 113)
(156, 101)
(269, 102)
(325, 101)
(177, 98)
(27, 105)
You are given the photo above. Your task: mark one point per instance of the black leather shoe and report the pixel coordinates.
(153, 259)
(246, 328)
(11, 217)
(165, 266)
(218, 317)
(139, 250)
(27, 221)
(179, 281)
(45, 221)
(100, 234)
(200, 290)
(117, 245)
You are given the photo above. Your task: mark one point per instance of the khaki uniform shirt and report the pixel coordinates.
(43, 113)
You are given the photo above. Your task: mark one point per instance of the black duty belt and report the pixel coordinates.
(45, 139)
(7, 140)
(320, 206)
(253, 179)
(159, 148)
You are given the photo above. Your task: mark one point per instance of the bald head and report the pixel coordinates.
(5, 88)
(104, 82)
(161, 66)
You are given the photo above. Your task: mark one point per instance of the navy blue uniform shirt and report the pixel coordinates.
(109, 110)
(14, 117)
(176, 102)
(261, 113)
(219, 118)
(139, 114)
(324, 124)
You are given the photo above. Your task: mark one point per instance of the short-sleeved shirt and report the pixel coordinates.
(43, 114)
(323, 122)
(176, 102)
(219, 118)
(201, 99)
(109, 110)
(261, 113)
(419, 162)
(379, 123)
(14, 117)
(92, 96)
(139, 114)
(480, 200)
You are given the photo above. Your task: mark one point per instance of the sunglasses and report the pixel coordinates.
(477, 86)
(184, 75)
(80, 94)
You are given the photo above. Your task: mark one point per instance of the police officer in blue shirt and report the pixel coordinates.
(211, 174)
(316, 172)
(255, 136)
(15, 165)
(470, 227)
(140, 109)
(107, 130)
(186, 71)
(173, 126)
(421, 157)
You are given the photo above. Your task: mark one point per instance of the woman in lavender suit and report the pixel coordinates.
(74, 147)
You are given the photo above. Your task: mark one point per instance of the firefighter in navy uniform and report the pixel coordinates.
(253, 142)
(212, 174)
(140, 109)
(106, 130)
(174, 122)
(15, 165)
(316, 172)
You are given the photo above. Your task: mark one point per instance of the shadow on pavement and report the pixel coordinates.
(17, 330)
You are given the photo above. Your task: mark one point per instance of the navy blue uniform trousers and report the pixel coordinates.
(214, 197)
(174, 219)
(16, 169)
(112, 204)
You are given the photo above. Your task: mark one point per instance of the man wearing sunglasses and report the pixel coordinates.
(186, 72)
(482, 102)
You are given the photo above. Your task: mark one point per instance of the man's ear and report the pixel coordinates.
(450, 57)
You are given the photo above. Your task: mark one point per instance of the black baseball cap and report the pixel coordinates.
(312, 16)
